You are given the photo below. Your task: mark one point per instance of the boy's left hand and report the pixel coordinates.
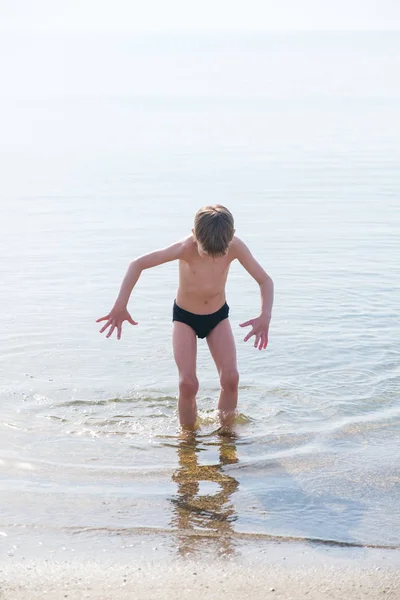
(260, 330)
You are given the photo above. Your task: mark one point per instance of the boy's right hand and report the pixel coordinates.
(115, 319)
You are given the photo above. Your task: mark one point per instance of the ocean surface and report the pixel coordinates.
(109, 146)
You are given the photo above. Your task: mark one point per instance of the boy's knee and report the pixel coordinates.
(188, 385)
(229, 380)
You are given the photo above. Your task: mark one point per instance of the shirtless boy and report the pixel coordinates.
(200, 308)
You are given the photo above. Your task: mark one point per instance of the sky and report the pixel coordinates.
(71, 72)
(99, 16)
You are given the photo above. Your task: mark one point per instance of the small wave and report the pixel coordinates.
(367, 420)
(109, 401)
(203, 534)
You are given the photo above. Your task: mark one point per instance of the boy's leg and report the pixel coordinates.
(223, 350)
(185, 352)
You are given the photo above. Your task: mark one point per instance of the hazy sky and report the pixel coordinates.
(190, 15)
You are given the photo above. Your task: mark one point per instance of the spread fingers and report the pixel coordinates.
(111, 330)
(248, 336)
(105, 326)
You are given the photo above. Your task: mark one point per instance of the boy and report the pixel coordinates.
(200, 307)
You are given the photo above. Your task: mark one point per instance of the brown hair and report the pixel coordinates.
(213, 228)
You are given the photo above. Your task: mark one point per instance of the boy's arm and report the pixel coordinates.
(147, 261)
(119, 313)
(261, 324)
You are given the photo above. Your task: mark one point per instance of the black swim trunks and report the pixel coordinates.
(201, 324)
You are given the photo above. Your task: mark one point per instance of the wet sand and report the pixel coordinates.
(281, 571)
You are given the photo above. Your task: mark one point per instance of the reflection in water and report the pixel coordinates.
(209, 515)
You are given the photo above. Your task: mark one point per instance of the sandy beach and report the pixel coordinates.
(279, 571)
(189, 580)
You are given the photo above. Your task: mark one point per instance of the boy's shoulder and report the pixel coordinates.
(188, 242)
(187, 246)
(236, 247)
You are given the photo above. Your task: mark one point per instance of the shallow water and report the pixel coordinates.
(90, 443)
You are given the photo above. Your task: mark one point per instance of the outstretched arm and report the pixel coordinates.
(260, 325)
(119, 313)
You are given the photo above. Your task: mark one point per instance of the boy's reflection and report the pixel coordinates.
(209, 515)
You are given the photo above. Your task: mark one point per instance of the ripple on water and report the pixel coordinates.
(290, 469)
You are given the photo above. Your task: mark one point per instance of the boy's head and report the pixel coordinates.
(213, 229)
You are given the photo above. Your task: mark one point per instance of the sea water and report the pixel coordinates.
(108, 149)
